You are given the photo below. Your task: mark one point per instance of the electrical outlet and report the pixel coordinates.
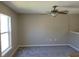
(50, 39)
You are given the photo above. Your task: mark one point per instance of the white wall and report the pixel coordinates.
(74, 22)
(5, 10)
(43, 29)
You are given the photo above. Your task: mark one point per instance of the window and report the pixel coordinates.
(5, 33)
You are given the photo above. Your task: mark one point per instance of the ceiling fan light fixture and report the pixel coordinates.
(54, 14)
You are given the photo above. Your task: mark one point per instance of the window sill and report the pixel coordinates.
(3, 53)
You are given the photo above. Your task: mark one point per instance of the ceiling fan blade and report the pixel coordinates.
(63, 12)
(70, 6)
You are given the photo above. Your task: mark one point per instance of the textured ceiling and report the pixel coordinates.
(43, 7)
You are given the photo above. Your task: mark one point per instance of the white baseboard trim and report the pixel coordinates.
(77, 49)
(44, 45)
(14, 51)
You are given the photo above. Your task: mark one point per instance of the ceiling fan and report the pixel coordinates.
(54, 12)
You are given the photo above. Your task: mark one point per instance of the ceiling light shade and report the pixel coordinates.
(54, 14)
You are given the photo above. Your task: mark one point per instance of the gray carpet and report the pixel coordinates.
(47, 51)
